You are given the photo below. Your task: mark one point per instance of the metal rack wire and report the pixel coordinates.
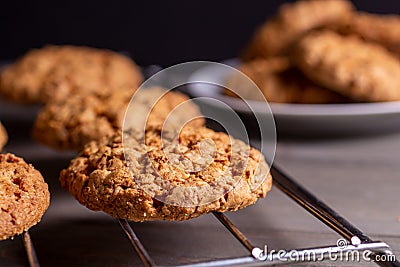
(358, 241)
(30, 250)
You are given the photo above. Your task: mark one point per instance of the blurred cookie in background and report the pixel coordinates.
(60, 71)
(3, 136)
(279, 82)
(350, 66)
(291, 22)
(380, 29)
(70, 123)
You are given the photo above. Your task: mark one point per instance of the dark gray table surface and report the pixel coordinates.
(358, 177)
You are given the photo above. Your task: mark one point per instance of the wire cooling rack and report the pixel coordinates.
(356, 239)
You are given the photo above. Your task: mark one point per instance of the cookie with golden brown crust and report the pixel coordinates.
(291, 22)
(24, 196)
(3, 137)
(380, 29)
(100, 179)
(59, 71)
(72, 122)
(279, 82)
(350, 66)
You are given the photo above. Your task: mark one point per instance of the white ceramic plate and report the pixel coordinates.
(307, 119)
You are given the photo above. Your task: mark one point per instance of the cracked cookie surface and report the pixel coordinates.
(100, 179)
(24, 196)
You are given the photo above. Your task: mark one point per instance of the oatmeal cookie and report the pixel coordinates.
(279, 82)
(100, 179)
(72, 122)
(350, 66)
(3, 137)
(24, 196)
(380, 29)
(292, 21)
(59, 71)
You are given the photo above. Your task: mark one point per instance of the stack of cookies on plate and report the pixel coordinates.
(85, 94)
(319, 52)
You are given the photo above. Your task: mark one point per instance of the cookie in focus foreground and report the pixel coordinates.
(348, 65)
(100, 179)
(24, 196)
(72, 122)
(59, 71)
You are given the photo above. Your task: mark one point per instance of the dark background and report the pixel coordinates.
(152, 32)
